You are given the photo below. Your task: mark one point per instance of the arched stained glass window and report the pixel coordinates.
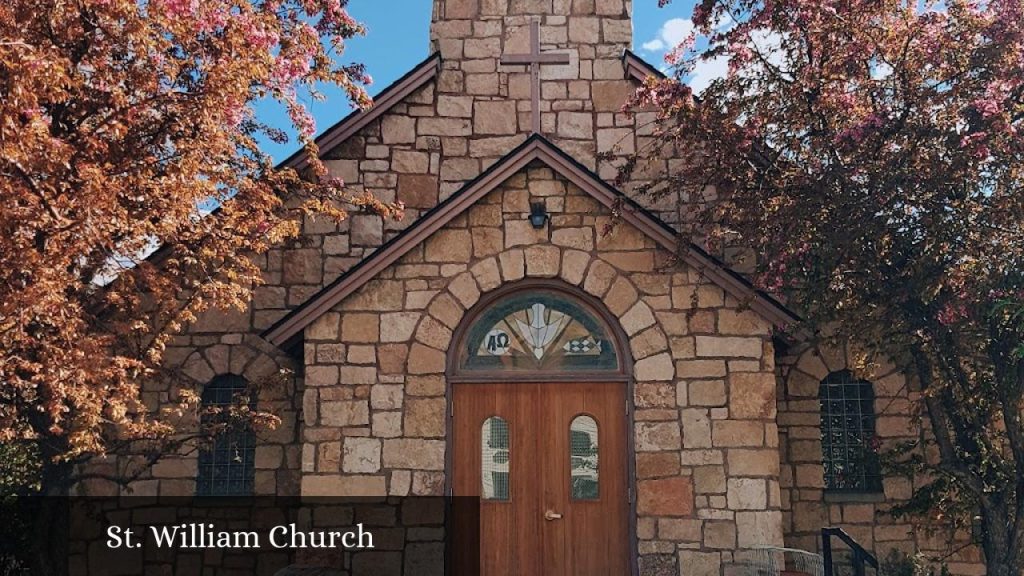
(583, 458)
(849, 455)
(226, 464)
(495, 459)
(538, 330)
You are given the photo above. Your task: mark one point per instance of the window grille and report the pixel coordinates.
(849, 450)
(226, 464)
(495, 458)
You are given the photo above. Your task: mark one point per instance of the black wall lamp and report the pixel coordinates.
(538, 214)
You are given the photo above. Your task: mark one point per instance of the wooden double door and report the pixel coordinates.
(548, 462)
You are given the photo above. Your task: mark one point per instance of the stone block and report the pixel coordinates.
(361, 455)
(700, 369)
(665, 497)
(696, 428)
(302, 266)
(759, 528)
(398, 326)
(735, 433)
(452, 245)
(418, 190)
(579, 125)
(344, 413)
(657, 464)
(747, 494)
(457, 106)
(656, 436)
(497, 117)
(357, 327)
(720, 535)
(720, 346)
(680, 529)
(425, 417)
(425, 360)
(584, 30)
(579, 238)
(709, 480)
(336, 485)
(655, 395)
(639, 317)
(520, 232)
(655, 368)
(542, 261)
(745, 462)
(694, 563)
(751, 395)
(414, 454)
(410, 161)
(707, 393)
(386, 396)
(574, 266)
(398, 129)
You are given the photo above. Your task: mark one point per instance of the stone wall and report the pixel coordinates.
(808, 506)
(705, 432)
(438, 138)
(199, 359)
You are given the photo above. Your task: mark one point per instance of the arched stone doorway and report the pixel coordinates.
(539, 378)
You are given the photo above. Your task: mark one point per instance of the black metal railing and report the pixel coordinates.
(860, 558)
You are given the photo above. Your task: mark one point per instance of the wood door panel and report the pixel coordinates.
(591, 538)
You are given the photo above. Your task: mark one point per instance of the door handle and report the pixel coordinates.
(552, 515)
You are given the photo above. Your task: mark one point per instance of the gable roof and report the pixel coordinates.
(637, 68)
(413, 80)
(534, 148)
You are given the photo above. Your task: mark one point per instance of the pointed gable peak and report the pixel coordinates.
(533, 149)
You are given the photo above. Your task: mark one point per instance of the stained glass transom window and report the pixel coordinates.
(583, 458)
(849, 454)
(539, 330)
(227, 464)
(495, 459)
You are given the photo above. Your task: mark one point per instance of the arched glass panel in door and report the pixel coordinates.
(583, 458)
(495, 459)
(538, 330)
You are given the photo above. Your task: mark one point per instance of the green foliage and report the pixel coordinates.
(898, 563)
(19, 470)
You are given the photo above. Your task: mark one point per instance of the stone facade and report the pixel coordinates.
(705, 435)
(808, 506)
(727, 444)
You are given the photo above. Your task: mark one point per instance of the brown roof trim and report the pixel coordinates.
(534, 148)
(637, 68)
(413, 80)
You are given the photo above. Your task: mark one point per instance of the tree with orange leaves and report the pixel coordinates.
(870, 153)
(120, 121)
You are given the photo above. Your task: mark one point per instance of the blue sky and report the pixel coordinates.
(397, 39)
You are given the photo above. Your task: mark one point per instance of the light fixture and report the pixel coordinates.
(538, 214)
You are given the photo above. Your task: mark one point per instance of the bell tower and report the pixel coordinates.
(523, 62)
(466, 29)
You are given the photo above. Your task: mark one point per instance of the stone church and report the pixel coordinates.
(530, 335)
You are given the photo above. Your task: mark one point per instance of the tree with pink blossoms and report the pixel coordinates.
(121, 123)
(869, 153)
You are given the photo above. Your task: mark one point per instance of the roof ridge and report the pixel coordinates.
(393, 94)
(535, 147)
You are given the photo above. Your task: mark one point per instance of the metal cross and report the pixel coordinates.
(535, 58)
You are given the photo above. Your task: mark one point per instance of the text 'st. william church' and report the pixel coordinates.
(620, 405)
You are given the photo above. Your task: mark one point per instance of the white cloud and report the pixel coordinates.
(671, 34)
(707, 71)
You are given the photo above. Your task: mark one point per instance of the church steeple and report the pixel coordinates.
(469, 29)
(518, 84)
